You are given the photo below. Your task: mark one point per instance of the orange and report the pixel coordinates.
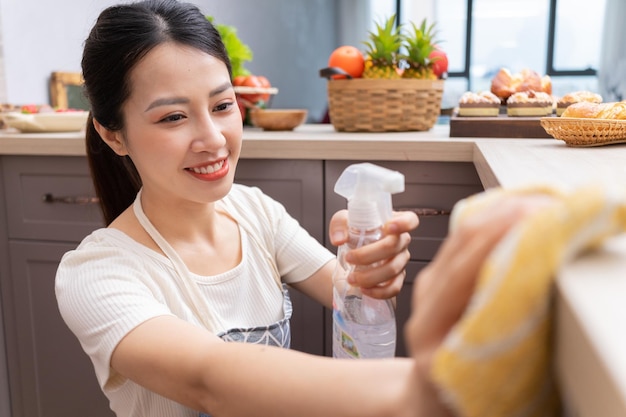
(349, 59)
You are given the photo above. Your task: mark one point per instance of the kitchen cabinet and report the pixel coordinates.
(48, 211)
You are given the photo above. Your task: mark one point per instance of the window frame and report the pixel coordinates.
(549, 70)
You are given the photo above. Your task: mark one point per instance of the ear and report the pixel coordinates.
(112, 138)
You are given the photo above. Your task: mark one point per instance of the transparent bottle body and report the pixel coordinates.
(363, 327)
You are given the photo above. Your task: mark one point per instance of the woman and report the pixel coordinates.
(190, 260)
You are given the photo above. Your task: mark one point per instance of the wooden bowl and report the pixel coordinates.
(278, 119)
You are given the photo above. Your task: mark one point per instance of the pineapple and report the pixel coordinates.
(382, 51)
(419, 44)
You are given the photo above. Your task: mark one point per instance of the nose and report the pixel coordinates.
(207, 134)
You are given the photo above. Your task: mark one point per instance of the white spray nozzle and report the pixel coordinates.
(368, 189)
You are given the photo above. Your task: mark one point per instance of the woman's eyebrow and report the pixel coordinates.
(220, 89)
(166, 101)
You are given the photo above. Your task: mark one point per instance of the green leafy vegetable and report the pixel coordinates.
(238, 52)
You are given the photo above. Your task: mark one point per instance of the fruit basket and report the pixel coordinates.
(381, 105)
(396, 85)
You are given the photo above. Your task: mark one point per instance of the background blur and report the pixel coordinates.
(292, 39)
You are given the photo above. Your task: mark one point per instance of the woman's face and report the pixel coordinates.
(182, 126)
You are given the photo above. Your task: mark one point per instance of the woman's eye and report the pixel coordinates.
(223, 106)
(173, 118)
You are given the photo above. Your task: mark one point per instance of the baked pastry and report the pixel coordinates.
(589, 110)
(484, 103)
(576, 97)
(504, 84)
(529, 103)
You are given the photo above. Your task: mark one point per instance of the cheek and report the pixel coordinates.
(234, 137)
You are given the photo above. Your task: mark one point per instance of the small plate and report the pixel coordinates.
(71, 121)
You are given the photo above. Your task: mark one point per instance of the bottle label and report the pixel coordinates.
(348, 345)
(344, 346)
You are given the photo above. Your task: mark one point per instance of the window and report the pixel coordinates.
(561, 38)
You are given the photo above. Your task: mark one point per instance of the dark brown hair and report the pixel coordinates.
(121, 37)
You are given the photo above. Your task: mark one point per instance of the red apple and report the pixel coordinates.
(440, 62)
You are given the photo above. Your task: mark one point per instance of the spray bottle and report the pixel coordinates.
(363, 327)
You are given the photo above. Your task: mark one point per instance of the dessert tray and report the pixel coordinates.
(46, 122)
(583, 132)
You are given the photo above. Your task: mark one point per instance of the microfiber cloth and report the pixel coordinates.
(497, 360)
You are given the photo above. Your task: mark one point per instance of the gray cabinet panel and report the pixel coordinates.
(50, 375)
(297, 184)
(68, 215)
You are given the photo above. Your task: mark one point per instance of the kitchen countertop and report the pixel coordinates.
(591, 291)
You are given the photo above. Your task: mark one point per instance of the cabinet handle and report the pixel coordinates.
(426, 211)
(81, 200)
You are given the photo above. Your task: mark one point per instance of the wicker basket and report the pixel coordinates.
(374, 105)
(585, 132)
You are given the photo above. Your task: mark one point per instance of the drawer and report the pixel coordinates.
(49, 198)
(431, 190)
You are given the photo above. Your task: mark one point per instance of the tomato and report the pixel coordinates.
(257, 81)
(30, 109)
(238, 80)
(440, 62)
(349, 59)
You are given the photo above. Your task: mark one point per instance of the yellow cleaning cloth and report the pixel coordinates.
(497, 360)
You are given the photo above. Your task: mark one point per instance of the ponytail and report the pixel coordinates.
(115, 177)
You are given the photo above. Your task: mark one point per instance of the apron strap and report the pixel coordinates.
(188, 284)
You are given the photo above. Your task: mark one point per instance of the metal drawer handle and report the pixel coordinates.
(81, 200)
(426, 211)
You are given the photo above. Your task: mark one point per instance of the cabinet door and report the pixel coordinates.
(297, 184)
(50, 375)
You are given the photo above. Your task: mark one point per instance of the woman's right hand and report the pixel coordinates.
(444, 288)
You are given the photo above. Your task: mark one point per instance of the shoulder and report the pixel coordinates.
(105, 256)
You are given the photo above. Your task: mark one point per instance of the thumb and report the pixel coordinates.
(338, 228)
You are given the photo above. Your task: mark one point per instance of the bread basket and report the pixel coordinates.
(382, 105)
(585, 132)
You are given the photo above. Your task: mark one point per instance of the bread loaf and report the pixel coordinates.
(585, 109)
(504, 84)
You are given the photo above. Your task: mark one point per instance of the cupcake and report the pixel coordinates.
(484, 103)
(576, 97)
(529, 103)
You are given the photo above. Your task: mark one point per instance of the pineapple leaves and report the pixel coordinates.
(394, 50)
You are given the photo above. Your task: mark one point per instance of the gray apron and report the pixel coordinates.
(276, 334)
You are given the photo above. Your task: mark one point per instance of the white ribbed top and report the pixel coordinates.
(110, 284)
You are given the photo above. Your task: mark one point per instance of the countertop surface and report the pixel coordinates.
(591, 290)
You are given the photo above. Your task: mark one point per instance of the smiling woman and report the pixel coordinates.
(190, 259)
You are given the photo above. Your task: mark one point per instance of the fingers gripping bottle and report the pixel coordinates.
(363, 327)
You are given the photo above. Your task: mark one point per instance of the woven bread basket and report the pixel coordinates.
(584, 132)
(379, 105)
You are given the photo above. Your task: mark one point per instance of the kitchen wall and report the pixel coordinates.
(291, 41)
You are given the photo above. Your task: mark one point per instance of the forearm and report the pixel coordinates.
(273, 382)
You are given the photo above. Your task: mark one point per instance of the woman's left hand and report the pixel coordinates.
(389, 255)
